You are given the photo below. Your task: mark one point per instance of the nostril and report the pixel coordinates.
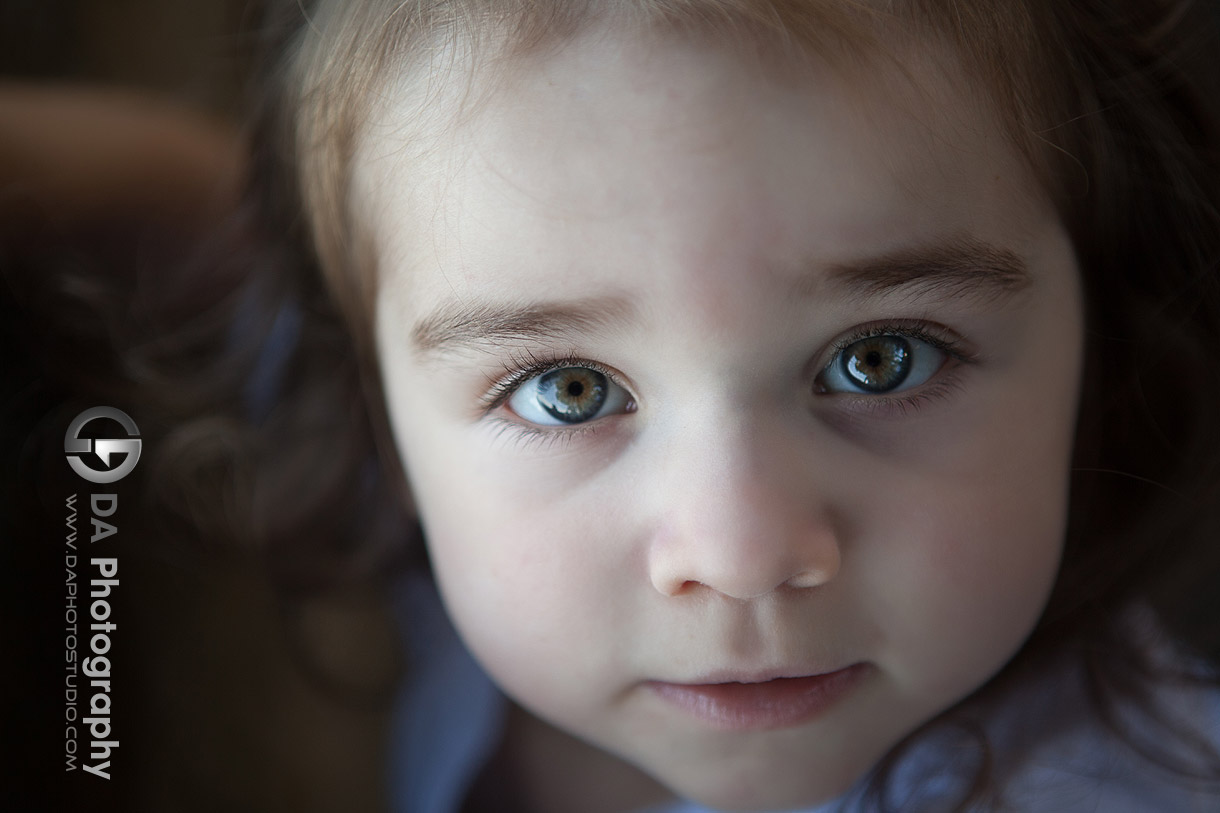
(687, 587)
(673, 586)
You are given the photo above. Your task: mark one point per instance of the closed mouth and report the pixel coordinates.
(778, 702)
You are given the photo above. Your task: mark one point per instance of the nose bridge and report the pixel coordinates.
(742, 514)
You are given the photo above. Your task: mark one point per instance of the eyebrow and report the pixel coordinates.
(458, 326)
(961, 267)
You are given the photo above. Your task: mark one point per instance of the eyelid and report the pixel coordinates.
(534, 437)
(902, 404)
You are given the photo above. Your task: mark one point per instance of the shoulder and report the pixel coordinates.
(1144, 764)
(1064, 745)
(1053, 741)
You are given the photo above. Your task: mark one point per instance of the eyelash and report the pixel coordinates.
(934, 335)
(543, 437)
(525, 365)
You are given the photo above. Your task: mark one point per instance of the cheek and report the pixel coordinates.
(966, 572)
(526, 573)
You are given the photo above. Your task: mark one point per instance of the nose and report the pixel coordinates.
(741, 515)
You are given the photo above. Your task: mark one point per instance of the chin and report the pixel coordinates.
(739, 792)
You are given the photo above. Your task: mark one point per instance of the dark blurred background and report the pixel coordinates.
(120, 151)
(193, 51)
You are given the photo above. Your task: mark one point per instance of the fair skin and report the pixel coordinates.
(716, 239)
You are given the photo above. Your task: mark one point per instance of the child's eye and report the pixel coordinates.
(567, 396)
(880, 364)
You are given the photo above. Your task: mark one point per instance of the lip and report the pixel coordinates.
(779, 702)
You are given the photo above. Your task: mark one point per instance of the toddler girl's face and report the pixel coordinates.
(704, 374)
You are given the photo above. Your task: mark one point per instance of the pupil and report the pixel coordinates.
(575, 389)
(873, 359)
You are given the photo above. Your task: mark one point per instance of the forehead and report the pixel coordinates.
(613, 141)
